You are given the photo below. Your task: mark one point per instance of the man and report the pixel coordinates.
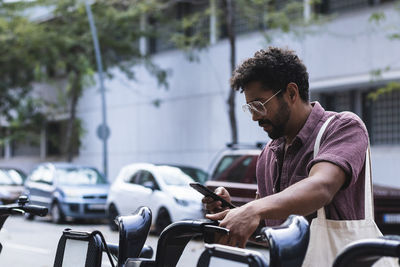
(290, 180)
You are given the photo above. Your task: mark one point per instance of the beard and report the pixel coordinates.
(278, 122)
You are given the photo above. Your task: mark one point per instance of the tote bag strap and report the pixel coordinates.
(368, 204)
(321, 211)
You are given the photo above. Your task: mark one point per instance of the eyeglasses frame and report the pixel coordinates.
(250, 108)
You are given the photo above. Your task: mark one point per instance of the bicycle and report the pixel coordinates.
(21, 207)
(287, 243)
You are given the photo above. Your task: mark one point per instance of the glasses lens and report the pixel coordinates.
(247, 109)
(258, 107)
(254, 108)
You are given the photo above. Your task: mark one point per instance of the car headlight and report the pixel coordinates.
(182, 202)
(72, 193)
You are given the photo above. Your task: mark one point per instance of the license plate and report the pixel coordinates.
(391, 218)
(96, 206)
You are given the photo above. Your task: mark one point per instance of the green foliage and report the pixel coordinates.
(378, 18)
(376, 74)
(18, 42)
(190, 32)
(59, 46)
(389, 88)
(26, 122)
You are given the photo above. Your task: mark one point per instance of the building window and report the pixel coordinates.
(246, 20)
(29, 145)
(3, 137)
(171, 24)
(337, 101)
(336, 6)
(333, 6)
(382, 117)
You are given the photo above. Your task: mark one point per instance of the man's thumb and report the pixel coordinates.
(217, 216)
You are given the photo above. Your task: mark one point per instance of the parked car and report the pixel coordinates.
(198, 175)
(68, 191)
(11, 184)
(164, 189)
(235, 169)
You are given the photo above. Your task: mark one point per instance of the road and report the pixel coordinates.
(34, 243)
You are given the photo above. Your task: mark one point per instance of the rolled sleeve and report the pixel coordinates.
(344, 144)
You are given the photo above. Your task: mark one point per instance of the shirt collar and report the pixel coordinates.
(316, 114)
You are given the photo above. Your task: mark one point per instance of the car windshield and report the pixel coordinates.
(79, 176)
(196, 174)
(11, 177)
(174, 176)
(236, 168)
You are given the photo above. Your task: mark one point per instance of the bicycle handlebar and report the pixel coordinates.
(21, 206)
(36, 210)
(368, 251)
(175, 237)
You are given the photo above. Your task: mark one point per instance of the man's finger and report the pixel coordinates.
(207, 199)
(232, 241)
(218, 191)
(241, 243)
(217, 216)
(221, 238)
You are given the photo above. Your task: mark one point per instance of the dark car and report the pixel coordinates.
(11, 184)
(68, 191)
(235, 169)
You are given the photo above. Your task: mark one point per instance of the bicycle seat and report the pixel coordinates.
(133, 231)
(288, 242)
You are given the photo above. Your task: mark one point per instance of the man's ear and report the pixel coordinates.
(292, 92)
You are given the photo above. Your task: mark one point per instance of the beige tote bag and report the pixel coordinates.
(329, 237)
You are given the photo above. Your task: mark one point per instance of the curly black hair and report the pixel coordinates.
(275, 68)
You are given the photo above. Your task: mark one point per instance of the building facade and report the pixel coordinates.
(188, 123)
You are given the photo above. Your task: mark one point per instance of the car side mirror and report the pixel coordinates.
(150, 185)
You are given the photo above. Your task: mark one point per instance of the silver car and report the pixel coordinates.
(68, 191)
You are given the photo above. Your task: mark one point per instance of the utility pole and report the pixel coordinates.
(103, 132)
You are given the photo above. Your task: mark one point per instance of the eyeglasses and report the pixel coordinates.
(257, 107)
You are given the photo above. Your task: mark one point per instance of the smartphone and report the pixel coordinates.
(208, 193)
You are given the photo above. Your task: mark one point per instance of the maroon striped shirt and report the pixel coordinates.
(343, 143)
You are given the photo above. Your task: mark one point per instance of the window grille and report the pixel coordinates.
(338, 101)
(243, 24)
(383, 118)
(333, 6)
(165, 29)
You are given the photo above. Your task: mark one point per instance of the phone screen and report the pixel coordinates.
(215, 261)
(75, 253)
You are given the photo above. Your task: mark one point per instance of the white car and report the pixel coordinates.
(164, 189)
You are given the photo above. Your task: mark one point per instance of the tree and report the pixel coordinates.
(189, 33)
(64, 50)
(19, 41)
(393, 34)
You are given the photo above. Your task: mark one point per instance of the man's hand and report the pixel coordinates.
(241, 222)
(216, 206)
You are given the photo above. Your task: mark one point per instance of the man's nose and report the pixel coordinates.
(255, 116)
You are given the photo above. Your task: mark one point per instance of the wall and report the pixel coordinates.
(191, 124)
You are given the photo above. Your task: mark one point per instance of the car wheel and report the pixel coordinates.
(112, 214)
(57, 215)
(163, 220)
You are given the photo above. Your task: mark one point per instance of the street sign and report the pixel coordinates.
(103, 132)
